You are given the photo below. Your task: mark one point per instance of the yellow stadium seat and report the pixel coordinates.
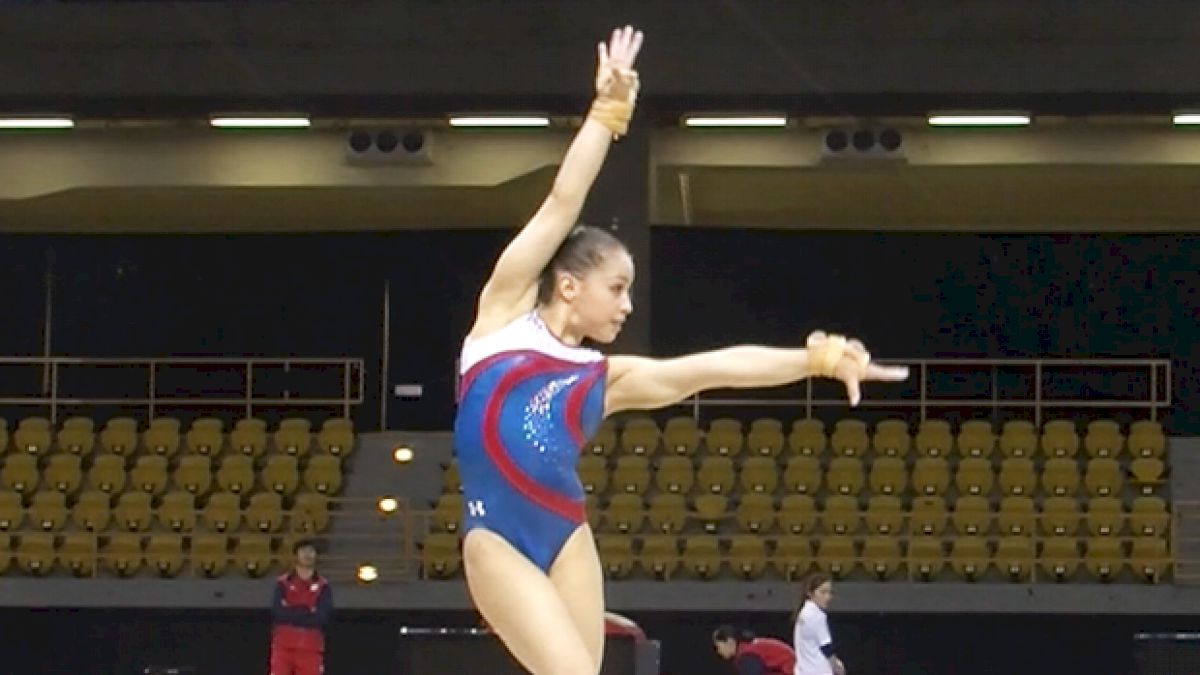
(149, 475)
(640, 436)
(1017, 476)
(310, 512)
(93, 511)
(264, 512)
(884, 515)
(625, 514)
(107, 474)
(133, 511)
(336, 437)
(747, 555)
(928, 516)
(972, 516)
(934, 439)
(1060, 439)
(593, 474)
(20, 473)
(836, 556)
(1015, 556)
(840, 515)
(632, 474)
(1018, 439)
(77, 552)
(974, 476)
(1060, 557)
(681, 436)
(236, 474)
(162, 437)
(1146, 439)
(1105, 516)
(1103, 439)
(849, 438)
(323, 475)
(807, 438)
(205, 437)
(123, 554)
(77, 436)
(667, 513)
(926, 557)
(119, 436)
(797, 514)
(969, 557)
(756, 513)
(891, 438)
(881, 556)
(1149, 558)
(252, 554)
(715, 475)
(63, 473)
(249, 437)
(759, 474)
(845, 475)
(931, 476)
(591, 507)
(164, 553)
(1103, 478)
(281, 474)
(604, 441)
(447, 514)
(702, 556)
(3, 441)
(33, 436)
(616, 555)
(294, 437)
(711, 510)
(210, 554)
(223, 512)
(1060, 516)
(659, 555)
(888, 476)
(1060, 477)
(6, 554)
(194, 475)
(765, 437)
(177, 512)
(802, 475)
(1104, 558)
(12, 511)
(674, 474)
(35, 554)
(724, 437)
(1146, 474)
(1148, 517)
(48, 511)
(976, 439)
(793, 556)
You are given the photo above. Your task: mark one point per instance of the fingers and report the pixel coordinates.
(602, 53)
(880, 373)
(853, 391)
(624, 45)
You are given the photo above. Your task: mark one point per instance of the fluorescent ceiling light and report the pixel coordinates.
(36, 123)
(979, 120)
(1186, 118)
(253, 122)
(735, 121)
(499, 121)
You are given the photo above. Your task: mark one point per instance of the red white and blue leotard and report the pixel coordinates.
(527, 405)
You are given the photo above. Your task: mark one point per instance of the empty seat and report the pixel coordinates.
(793, 556)
(161, 437)
(1149, 557)
(1146, 439)
(849, 438)
(177, 512)
(1018, 439)
(205, 437)
(249, 437)
(294, 437)
(32, 436)
(264, 512)
(797, 514)
(640, 436)
(891, 438)
(759, 474)
(210, 554)
(48, 511)
(974, 476)
(1015, 557)
(802, 475)
(1146, 474)
(840, 515)
(93, 511)
(64, 473)
(724, 437)
(702, 556)
(1060, 516)
(926, 557)
(194, 475)
(323, 474)
(1017, 516)
(765, 437)
(836, 555)
(888, 476)
(1148, 517)
(884, 515)
(164, 553)
(593, 474)
(604, 441)
(616, 554)
(881, 555)
(77, 436)
(931, 476)
(281, 474)
(20, 473)
(667, 513)
(6, 555)
(807, 438)
(149, 475)
(625, 514)
(928, 516)
(747, 555)
(1104, 558)
(976, 439)
(1103, 477)
(1060, 557)
(107, 474)
(336, 437)
(77, 552)
(716, 475)
(133, 511)
(681, 436)
(447, 513)
(711, 510)
(1017, 476)
(933, 439)
(1060, 477)
(252, 554)
(1103, 439)
(972, 516)
(845, 475)
(223, 512)
(632, 474)
(12, 511)
(123, 554)
(1105, 516)
(1060, 439)
(310, 512)
(674, 474)
(35, 553)
(756, 513)
(659, 555)
(969, 557)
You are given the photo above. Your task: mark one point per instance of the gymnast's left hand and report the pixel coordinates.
(848, 361)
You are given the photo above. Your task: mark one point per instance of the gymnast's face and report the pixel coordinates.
(599, 298)
(822, 595)
(725, 648)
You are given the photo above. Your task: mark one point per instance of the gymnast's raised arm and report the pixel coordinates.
(512, 288)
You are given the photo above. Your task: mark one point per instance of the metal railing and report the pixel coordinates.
(53, 394)
(1156, 373)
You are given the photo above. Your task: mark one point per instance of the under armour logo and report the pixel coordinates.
(475, 508)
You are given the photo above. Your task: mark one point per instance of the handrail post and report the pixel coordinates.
(250, 388)
(1037, 393)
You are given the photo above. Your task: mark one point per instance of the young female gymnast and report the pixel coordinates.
(813, 643)
(531, 396)
(752, 655)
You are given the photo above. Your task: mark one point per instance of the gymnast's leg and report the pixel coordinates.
(579, 579)
(521, 604)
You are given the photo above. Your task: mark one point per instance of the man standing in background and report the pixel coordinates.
(300, 610)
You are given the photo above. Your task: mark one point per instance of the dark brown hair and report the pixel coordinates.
(811, 583)
(583, 250)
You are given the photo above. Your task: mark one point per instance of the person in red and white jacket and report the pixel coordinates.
(300, 610)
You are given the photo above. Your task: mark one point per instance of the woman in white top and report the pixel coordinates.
(813, 644)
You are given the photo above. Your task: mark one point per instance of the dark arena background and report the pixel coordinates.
(241, 243)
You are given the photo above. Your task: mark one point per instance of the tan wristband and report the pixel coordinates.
(825, 353)
(614, 115)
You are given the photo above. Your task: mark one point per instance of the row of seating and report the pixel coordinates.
(850, 437)
(749, 556)
(163, 436)
(152, 473)
(177, 511)
(126, 555)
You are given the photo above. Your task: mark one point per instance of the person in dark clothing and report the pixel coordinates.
(300, 610)
(753, 655)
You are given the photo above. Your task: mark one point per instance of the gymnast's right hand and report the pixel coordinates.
(836, 357)
(615, 77)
